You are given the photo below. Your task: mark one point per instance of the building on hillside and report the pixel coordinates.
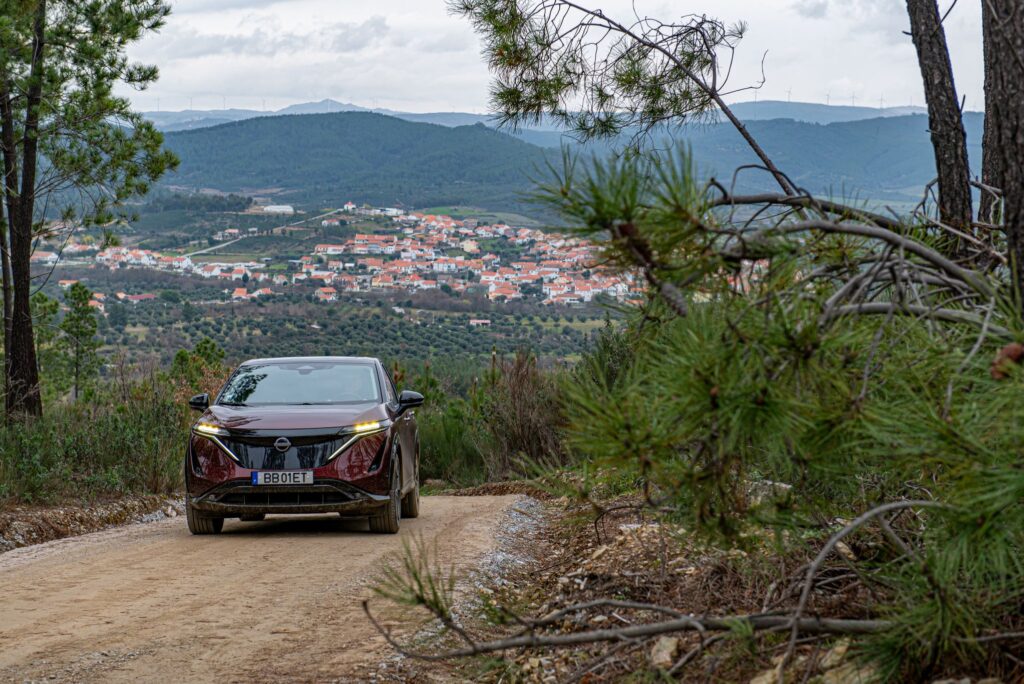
(47, 258)
(279, 209)
(326, 294)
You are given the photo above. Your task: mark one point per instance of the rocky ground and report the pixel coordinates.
(559, 553)
(27, 525)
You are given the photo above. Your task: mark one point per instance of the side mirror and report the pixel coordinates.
(409, 399)
(200, 402)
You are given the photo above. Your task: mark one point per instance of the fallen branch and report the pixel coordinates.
(796, 627)
(755, 623)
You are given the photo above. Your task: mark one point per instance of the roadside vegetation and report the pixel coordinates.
(815, 415)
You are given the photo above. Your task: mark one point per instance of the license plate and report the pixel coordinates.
(282, 477)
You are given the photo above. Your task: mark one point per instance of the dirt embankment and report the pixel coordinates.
(26, 525)
(278, 600)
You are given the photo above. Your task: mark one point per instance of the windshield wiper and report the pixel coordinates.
(232, 403)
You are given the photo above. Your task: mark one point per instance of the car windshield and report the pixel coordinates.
(301, 383)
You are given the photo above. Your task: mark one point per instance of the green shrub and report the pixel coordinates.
(106, 447)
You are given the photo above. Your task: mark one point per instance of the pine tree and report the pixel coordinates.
(79, 341)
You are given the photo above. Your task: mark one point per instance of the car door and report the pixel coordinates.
(405, 428)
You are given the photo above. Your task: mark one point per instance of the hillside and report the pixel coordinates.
(326, 159)
(882, 159)
(887, 159)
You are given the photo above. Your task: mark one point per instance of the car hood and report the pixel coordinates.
(293, 417)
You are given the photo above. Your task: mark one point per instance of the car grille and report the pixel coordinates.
(285, 498)
(259, 453)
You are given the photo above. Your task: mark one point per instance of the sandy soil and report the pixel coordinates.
(271, 601)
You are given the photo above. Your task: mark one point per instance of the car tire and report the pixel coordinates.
(200, 524)
(252, 517)
(389, 517)
(411, 501)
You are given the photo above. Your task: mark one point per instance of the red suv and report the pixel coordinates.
(304, 435)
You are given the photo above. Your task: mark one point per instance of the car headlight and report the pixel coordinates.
(366, 428)
(213, 433)
(210, 430)
(357, 432)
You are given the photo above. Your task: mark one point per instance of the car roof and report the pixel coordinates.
(313, 359)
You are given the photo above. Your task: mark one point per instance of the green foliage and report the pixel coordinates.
(756, 409)
(89, 137)
(79, 340)
(113, 445)
(193, 368)
(52, 360)
(200, 203)
(591, 74)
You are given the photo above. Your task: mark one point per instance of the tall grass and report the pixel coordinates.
(108, 446)
(509, 423)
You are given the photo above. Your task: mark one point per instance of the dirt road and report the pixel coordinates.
(271, 601)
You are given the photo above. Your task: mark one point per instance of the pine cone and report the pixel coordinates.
(1005, 359)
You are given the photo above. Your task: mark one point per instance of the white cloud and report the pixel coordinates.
(414, 55)
(814, 9)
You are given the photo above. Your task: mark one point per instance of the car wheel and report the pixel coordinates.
(252, 517)
(200, 524)
(411, 501)
(387, 520)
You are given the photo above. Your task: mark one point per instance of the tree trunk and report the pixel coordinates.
(5, 284)
(10, 184)
(947, 127)
(990, 174)
(1005, 116)
(23, 394)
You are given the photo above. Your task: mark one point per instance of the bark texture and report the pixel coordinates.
(945, 122)
(23, 396)
(1004, 32)
(990, 175)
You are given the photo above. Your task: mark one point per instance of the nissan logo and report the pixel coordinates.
(282, 444)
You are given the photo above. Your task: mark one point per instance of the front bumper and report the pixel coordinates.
(240, 497)
(356, 482)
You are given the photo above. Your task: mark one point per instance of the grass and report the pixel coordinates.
(483, 215)
(98, 448)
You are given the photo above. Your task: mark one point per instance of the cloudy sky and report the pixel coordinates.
(411, 55)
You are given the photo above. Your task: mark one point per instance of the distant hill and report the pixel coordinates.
(748, 111)
(880, 159)
(813, 112)
(886, 159)
(326, 159)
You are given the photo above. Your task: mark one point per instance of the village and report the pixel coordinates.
(409, 252)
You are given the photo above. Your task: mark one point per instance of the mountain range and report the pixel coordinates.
(809, 112)
(324, 159)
